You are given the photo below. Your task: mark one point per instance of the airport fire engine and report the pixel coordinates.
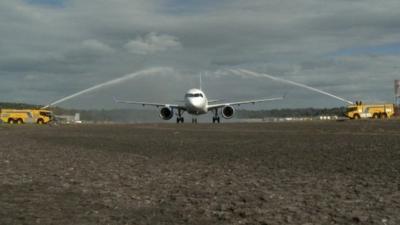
(375, 111)
(20, 116)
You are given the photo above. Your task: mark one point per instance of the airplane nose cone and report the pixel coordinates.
(194, 102)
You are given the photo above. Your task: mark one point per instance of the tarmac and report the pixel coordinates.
(246, 173)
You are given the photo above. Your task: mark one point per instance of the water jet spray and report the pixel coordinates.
(111, 82)
(254, 74)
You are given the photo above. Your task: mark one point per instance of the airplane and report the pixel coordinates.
(196, 103)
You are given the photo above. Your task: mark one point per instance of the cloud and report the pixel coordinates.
(80, 43)
(97, 47)
(152, 43)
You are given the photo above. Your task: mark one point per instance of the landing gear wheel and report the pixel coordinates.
(194, 120)
(216, 119)
(180, 120)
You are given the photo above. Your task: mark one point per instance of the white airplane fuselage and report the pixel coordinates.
(196, 102)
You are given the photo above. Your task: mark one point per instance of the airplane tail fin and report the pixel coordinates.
(200, 84)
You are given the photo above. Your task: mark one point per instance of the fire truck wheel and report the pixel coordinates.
(384, 116)
(357, 117)
(11, 121)
(375, 116)
(20, 121)
(40, 121)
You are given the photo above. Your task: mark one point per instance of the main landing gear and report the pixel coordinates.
(180, 119)
(216, 118)
(194, 120)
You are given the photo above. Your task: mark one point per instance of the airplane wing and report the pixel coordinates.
(214, 100)
(150, 104)
(254, 101)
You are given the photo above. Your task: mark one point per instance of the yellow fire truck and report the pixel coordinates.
(375, 111)
(20, 116)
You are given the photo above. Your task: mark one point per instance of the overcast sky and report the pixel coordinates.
(52, 48)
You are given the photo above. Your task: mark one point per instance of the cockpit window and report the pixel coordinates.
(189, 95)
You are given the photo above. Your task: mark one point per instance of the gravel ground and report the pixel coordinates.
(270, 173)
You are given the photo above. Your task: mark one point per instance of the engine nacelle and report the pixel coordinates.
(228, 111)
(166, 113)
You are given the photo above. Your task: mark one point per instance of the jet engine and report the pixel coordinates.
(166, 113)
(228, 111)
